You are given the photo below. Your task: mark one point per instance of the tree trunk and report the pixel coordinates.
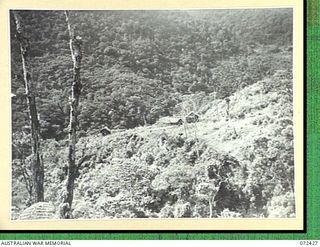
(75, 48)
(37, 165)
(210, 208)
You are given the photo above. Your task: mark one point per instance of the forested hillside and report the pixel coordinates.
(138, 64)
(232, 67)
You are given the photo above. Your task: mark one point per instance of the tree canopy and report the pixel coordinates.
(139, 64)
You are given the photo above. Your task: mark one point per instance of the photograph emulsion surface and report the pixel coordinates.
(152, 114)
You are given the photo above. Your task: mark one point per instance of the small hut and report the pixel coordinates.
(171, 121)
(105, 131)
(192, 117)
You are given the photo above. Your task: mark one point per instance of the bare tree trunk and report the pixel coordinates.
(75, 48)
(37, 165)
(210, 208)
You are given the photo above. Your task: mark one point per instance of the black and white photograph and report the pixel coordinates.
(124, 114)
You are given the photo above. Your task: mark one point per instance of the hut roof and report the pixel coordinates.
(170, 120)
(192, 114)
(105, 128)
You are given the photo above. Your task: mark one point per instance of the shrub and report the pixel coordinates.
(282, 206)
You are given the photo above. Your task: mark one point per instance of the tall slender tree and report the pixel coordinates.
(76, 54)
(37, 164)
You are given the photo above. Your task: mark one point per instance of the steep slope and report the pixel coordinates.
(237, 161)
